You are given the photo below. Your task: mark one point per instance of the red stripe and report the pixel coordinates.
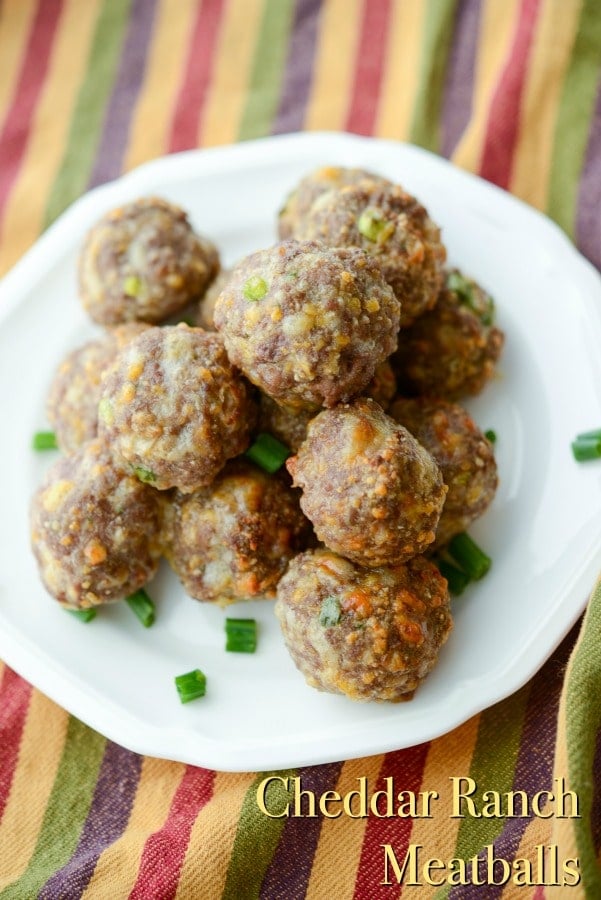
(369, 67)
(164, 851)
(407, 769)
(504, 112)
(14, 704)
(19, 118)
(193, 92)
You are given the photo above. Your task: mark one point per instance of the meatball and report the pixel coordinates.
(95, 531)
(232, 541)
(308, 324)
(372, 634)
(72, 404)
(204, 318)
(465, 457)
(394, 228)
(174, 409)
(290, 426)
(143, 261)
(300, 200)
(451, 351)
(373, 493)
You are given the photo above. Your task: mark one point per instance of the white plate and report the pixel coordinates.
(543, 530)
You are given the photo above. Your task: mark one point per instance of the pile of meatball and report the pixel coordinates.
(350, 342)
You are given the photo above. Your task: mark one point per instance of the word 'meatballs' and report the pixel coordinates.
(95, 531)
(373, 493)
(143, 261)
(174, 409)
(306, 323)
(371, 634)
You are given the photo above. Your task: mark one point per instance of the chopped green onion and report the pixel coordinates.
(589, 435)
(105, 411)
(44, 440)
(191, 685)
(330, 612)
(374, 227)
(586, 448)
(457, 580)
(141, 604)
(268, 453)
(469, 557)
(241, 635)
(255, 288)
(491, 435)
(145, 475)
(132, 286)
(84, 615)
(471, 295)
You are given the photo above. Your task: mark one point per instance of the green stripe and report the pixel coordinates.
(583, 720)
(493, 769)
(86, 123)
(66, 812)
(437, 39)
(574, 117)
(268, 69)
(256, 838)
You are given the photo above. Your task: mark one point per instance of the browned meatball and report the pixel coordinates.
(95, 531)
(372, 634)
(174, 409)
(465, 457)
(394, 228)
(371, 491)
(451, 351)
(72, 404)
(207, 305)
(232, 541)
(143, 261)
(308, 324)
(300, 200)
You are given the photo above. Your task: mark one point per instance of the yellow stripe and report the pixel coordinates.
(401, 71)
(557, 24)
(334, 871)
(228, 90)
(339, 32)
(212, 838)
(496, 32)
(40, 752)
(117, 869)
(26, 206)
(15, 24)
(167, 57)
(449, 755)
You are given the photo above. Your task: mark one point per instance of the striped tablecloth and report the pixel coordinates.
(509, 89)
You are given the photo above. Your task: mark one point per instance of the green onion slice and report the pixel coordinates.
(255, 288)
(589, 435)
(191, 685)
(84, 615)
(44, 440)
(457, 580)
(141, 604)
(584, 449)
(268, 453)
(145, 475)
(491, 435)
(241, 635)
(469, 557)
(329, 613)
(373, 227)
(472, 296)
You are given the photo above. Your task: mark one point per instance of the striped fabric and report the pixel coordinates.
(510, 89)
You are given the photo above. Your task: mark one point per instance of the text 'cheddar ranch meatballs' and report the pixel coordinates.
(302, 443)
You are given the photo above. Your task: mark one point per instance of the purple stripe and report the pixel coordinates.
(290, 868)
(299, 67)
(459, 85)
(106, 821)
(588, 221)
(109, 157)
(534, 766)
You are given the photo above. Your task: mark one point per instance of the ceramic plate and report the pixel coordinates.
(543, 530)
